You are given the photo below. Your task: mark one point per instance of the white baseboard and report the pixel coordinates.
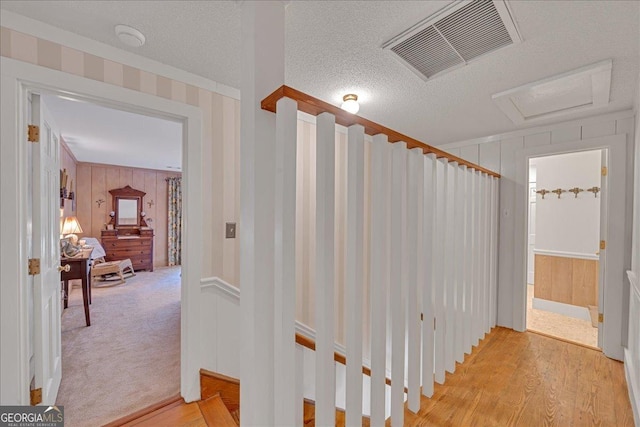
(633, 386)
(562, 308)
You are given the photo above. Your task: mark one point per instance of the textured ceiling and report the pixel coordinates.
(335, 47)
(138, 141)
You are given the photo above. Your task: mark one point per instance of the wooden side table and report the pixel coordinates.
(78, 269)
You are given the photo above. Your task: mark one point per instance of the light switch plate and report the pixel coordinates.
(230, 232)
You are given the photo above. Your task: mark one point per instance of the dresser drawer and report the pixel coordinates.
(127, 252)
(125, 243)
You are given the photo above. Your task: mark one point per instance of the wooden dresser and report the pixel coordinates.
(135, 244)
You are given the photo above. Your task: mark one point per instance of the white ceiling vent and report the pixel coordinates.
(457, 34)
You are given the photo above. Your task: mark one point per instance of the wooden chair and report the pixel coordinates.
(101, 269)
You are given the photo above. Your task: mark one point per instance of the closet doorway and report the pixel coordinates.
(563, 247)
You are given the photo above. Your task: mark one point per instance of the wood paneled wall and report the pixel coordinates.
(568, 280)
(94, 183)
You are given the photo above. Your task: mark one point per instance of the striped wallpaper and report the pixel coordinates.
(221, 133)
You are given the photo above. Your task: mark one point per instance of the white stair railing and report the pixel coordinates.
(432, 240)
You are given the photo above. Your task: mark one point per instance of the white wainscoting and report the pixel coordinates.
(221, 343)
(632, 352)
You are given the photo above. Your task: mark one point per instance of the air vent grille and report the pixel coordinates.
(454, 37)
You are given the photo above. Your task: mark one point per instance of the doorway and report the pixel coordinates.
(563, 255)
(18, 79)
(103, 150)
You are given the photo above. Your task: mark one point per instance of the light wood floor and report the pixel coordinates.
(525, 379)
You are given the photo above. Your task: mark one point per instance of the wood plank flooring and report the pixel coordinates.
(525, 379)
(510, 379)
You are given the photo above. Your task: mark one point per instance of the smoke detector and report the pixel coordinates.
(129, 35)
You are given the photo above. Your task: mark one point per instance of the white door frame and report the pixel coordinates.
(613, 234)
(17, 78)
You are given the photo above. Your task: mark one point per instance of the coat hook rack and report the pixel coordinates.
(99, 202)
(559, 191)
(575, 191)
(543, 192)
(594, 190)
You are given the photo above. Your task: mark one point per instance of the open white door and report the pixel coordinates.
(46, 237)
(603, 238)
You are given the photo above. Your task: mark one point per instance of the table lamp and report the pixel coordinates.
(70, 227)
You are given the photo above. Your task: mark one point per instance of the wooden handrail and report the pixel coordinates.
(340, 358)
(315, 106)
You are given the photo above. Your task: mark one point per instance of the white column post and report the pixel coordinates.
(398, 273)
(262, 73)
(429, 207)
(379, 273)
(325, 262)
(415, 189)
(354, 273)
(285, 260)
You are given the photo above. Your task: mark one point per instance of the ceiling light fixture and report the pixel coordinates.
(130, 36)
(350, 103)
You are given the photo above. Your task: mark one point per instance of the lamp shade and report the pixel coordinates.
(71, 226)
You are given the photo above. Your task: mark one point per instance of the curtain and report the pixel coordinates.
(174, 235)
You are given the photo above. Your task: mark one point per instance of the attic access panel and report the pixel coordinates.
(457, 34)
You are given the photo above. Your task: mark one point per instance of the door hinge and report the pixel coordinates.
(35, 396)
(33, 133)
(34, 266)
(603, 244)
(604, 171)
(600, 318)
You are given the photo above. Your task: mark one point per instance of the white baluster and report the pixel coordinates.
(494, 251)
(449, 285)
(468, 260)
(488, 261)
(379, 273)
(354, 273)
(459, 262)
(415, 188)
(284, 262)
(398, 274)
(429, 207)
(325, 244)
(477, 276)
(483, 257)
(299, 396)
(438, 268)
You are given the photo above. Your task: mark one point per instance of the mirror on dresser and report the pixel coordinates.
(127, 235)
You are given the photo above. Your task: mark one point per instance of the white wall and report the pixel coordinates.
(568, 224)
(632, 352)
(498, 153)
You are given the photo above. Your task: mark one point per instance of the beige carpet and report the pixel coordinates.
(129, 357)
(557, 325)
